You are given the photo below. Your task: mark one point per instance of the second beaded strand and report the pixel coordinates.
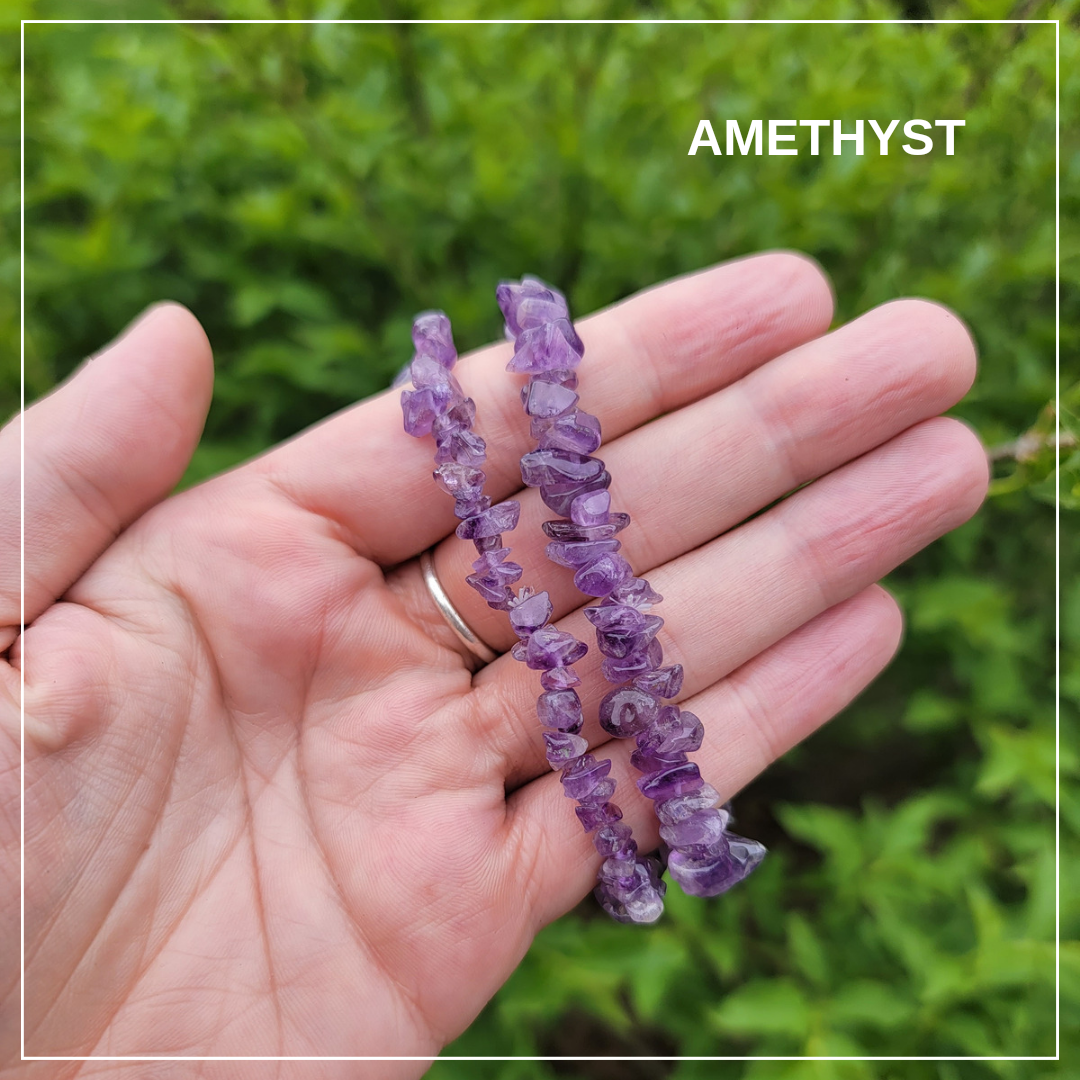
(703, 856)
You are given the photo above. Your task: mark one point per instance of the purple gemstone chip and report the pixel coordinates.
(604, 575)
(696, 835)
(528, 614)
(547, 347)
(530, 299)
(613, 841)
(433, 337)
(560, 497)
(674, 731)
(665, 682)
(672, 811)
(595, 817)
(591, 508)
(547, 400)
(560, 709)
(677, 780)
(459, 417)
(716, 873)
(578, 432)
(636, 898)
(492, 522)
(580, 777)
(549, 648)
(636, 592)
(460, 481)
(562, 747)
(464, 446)
(543, 468)
(627, 711)
(576, 554)
(418, 411)
(561, 678)
(568, 530)
(649, 760)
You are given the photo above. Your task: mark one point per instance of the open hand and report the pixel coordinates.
(269, 809)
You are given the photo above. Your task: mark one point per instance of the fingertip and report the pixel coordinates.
(887, 622)
(171, 339)
(942, 334)
(806, 281)
(963, 459)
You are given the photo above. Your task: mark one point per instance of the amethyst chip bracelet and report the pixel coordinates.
(702, 855)
(629, 886)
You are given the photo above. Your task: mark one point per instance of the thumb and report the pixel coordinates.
(99, 451)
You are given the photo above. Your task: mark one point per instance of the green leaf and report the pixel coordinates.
(869, 1003)
(776, 1007)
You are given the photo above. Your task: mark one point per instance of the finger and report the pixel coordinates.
(697, 472)
(651, 354)
(102, 448)
(752, 717)
(742, 592)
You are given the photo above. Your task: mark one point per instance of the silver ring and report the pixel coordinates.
(449, 612)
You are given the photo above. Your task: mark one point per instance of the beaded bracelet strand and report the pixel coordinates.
(629, 886)
(702, 856)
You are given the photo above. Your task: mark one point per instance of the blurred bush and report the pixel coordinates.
(305, 189)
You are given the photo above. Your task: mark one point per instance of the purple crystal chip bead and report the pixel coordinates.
(634, 635)
(528, 303)
(695, 835)
(678, 780)
(627, 711)
(578, 432)
(615, 841)
(580, 777)
(591, 508)
(459, 417)
(547, 400)
(493, 522)
(637, 593)
(463, 482)
(718, 872)
(543, 468)
(417, 411)
(560, 678)
(665, 682)
(560, 497)
(529, 613)
(549, 648)
(596, 817)
(576, 554)
(620, 669)
(569, 530)
(427, 373)
(602, 577)
(547, 347)
(655, 761)
(493, 585)
(631, 892)
(490, 559)
(560, 709)
(464, 446)
(674, 731)
(672, 811)
(563, 747)
(600, 794)
(433, 337)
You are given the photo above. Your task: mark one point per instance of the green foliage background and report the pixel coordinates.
(306, 189)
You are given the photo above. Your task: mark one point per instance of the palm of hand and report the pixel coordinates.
(267, 804)
(302, 810)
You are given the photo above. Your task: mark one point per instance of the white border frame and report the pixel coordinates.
(487, 22)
